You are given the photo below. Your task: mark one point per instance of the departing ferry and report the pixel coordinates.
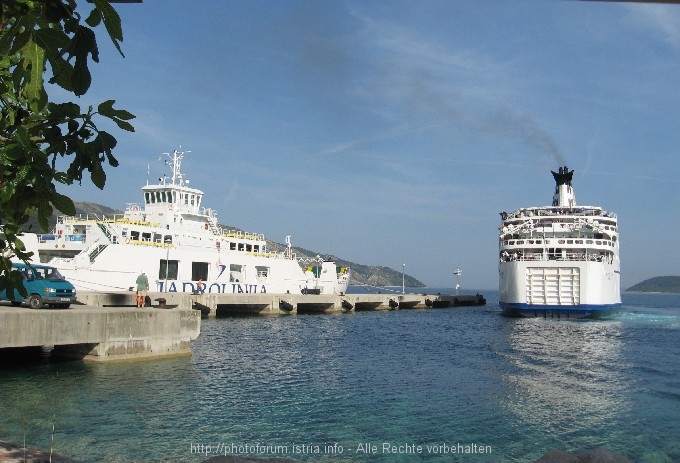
(559, 261)
(180, 246)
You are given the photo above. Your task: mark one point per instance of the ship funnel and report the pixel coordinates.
(564, 193)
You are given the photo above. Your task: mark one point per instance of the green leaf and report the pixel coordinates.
(13, 152)
(82, 45)
(106, 109)
(51, 40)
(119, 116)
(64, 110)
(111, 22)
(94, 19)
(62, 72)
(124, 125)
(63, 204)
(98, 176)
(34, 57)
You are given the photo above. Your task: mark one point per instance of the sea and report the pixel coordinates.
(433, 385)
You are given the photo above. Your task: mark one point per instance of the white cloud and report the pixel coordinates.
(663, 20)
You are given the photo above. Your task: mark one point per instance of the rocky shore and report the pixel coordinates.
(10, 453)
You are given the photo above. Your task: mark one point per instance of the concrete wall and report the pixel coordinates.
(95, 333)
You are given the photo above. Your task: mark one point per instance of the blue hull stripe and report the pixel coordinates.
(559, 311)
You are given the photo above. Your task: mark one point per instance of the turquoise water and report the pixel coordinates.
(412, 385)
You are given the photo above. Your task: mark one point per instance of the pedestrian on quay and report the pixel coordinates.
(142, 287)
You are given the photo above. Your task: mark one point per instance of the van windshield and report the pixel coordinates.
(47, 273)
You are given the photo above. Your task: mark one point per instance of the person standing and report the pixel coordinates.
(142, 287)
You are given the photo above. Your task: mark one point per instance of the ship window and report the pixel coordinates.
(232, 246)
(241, 247)
(579, 241)
(262, 272)
(520, 242)
(235, 272)
(192, 199)
(538, 241)
(531, 241)
(167, 269)
(167, 239)
(256, 248)
(157, 237)
(199, 271)
(589, 241)
(249, 247)
(570, 241)
(134, 235)
(146, 236)
(146, 198)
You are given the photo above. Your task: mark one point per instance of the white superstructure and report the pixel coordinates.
(560, 260)
(181, 247)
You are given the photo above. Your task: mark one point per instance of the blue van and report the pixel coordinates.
(45, 286)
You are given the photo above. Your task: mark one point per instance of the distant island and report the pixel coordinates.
(666, 284)
(370, 275)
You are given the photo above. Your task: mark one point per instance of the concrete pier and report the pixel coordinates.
(218, 304)
(110, 327)
(101, 334)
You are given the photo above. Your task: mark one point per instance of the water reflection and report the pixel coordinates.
(564, 377)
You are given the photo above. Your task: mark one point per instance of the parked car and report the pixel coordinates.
(45, 286)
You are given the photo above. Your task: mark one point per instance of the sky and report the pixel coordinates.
(395, 132)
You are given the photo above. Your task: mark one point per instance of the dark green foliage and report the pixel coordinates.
(47, 40)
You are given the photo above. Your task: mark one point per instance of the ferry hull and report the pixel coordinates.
(558, 311)
(559, 289)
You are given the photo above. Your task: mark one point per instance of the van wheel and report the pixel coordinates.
(35, 302)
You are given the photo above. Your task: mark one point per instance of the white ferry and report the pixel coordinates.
(181, 247)
(559, 261)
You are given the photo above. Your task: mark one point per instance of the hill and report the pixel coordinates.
(664, 284)
(361, 274)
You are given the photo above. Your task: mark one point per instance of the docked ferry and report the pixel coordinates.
(181, 247)
(559, 261)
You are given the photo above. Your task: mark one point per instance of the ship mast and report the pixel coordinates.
(176, 164)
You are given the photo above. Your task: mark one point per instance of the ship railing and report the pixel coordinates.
(238, 234)
(47, 237)
(96, 251)
(266, 254)
(125, 220)
(567, 257)
(556, 211)
(94, 219)
(149, 243)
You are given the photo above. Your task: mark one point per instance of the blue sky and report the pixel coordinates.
(394, 132)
